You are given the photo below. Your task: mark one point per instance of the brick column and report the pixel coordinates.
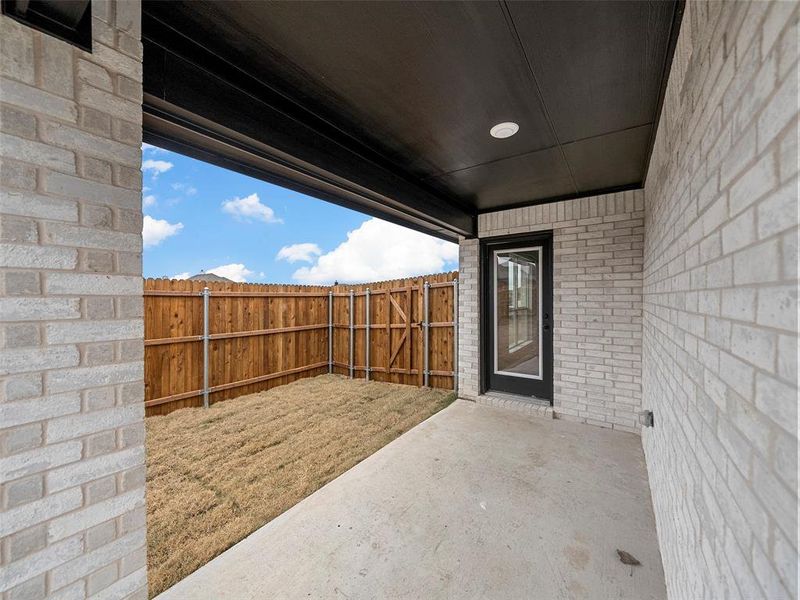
(468, 319)
(71, 394)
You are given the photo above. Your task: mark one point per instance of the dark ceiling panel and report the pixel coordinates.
(517, 180)
(423, 81)
(598, 64)
(609, 161)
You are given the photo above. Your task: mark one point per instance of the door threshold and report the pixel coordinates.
(517, 397)
(529, 405)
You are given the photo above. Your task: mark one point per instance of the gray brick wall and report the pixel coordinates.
(597, 304)
(720, 305)
(71, 371)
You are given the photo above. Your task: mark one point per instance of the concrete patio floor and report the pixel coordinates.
(475, 502)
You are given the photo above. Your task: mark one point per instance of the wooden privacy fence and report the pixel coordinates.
(210, 341)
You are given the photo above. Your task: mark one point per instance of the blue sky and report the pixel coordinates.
(199, 217)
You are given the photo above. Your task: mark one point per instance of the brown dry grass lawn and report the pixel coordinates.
(216, 475)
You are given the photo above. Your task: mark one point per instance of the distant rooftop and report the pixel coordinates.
(209, 277)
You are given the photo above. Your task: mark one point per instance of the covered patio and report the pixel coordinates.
(475, 502)
(622, 181)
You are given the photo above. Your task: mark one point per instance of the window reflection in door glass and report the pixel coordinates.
(517, 306)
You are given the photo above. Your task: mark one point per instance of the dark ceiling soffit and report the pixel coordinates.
(173, 41)
(675, 29)
(200, 105)
(521, 49)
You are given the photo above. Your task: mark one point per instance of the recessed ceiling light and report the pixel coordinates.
(504, 130)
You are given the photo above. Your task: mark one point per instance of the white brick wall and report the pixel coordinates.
(468, 319)
(597, 304)
(720, 305)
(71, 389)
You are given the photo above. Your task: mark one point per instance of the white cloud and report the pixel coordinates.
(299, 253)
(184, 275)
(235, 272)
(378, 250)
(148, 200)
(156, 167)
(155, 231)
(250, 208)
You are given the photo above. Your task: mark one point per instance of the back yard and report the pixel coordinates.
(216, 475)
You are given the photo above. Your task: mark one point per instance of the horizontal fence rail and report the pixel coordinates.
(210, 341)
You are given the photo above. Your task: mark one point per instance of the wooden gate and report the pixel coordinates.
(404, 325)
(394, 350)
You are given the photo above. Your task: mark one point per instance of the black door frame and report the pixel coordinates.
(487, 248)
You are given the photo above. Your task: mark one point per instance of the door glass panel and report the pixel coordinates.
(517, 320)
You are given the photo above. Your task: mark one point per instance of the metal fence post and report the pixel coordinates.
(455, 336)
(330, 331)
(426, 328)
(206, 294)
(351, 334)
(367, 335)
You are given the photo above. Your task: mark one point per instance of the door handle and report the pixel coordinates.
(546, 327)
